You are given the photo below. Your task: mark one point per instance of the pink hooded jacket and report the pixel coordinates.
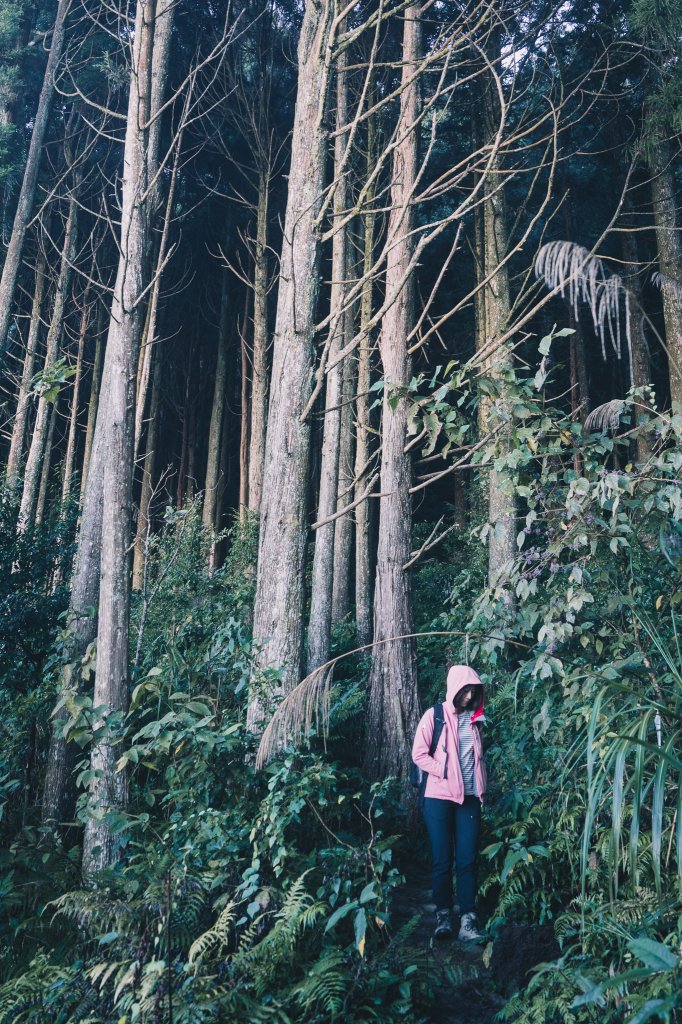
(444, 781)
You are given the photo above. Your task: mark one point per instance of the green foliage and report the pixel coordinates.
(240, 896)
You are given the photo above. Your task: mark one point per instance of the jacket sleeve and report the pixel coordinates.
(422, 745)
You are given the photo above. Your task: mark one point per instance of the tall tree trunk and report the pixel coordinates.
(319, 626)
(669, 261)
(148, 471)
(108, 790)
(278, 608)
(70, 456)
(92, 408)
(81, 623)
(213, 456)
(259, 372)
(580, 390)
(244, 424)
(23, 402)
(150, 332)
(22, 216)
(363, 518)
(501, 500)
(393, 710)
(343, 534)
(640, 367)
(41, 499)
(54, 336)
(183, 470)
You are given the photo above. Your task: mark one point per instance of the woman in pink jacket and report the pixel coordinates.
(455, 784)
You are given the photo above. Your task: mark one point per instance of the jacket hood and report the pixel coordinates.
(460, 676)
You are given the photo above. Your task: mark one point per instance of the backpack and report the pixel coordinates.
(417, 776)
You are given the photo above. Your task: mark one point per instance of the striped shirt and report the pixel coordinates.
(467, 757)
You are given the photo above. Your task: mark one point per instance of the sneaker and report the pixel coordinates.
(468, 929)
(443, 924)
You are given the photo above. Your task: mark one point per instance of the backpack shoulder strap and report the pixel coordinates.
(438, 723)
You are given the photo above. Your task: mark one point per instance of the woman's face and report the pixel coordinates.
(466, 697)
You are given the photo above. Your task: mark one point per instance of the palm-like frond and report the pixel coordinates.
(581, 277)
(605, 417)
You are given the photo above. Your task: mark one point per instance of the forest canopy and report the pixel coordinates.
(340, 343)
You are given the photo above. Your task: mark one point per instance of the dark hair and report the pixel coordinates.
(478, 696)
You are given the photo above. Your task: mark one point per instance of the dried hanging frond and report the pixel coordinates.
(605, 417)
(580, 276)
(308, 704)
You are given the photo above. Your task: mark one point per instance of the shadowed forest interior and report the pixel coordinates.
(340, 343)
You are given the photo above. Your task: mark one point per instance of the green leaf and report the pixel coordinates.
(339, 914)
(368, 893)
(657, 1007)
(654, 954)
(360, 924)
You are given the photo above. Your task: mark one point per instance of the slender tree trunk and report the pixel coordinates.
(81, 623)
(278, 608)
(150, 333)
(225, 478)
(213, 457)
(22, 216)
(108, 790)
(343, 534)
(259, 377)
(319, 626)
(54, 335)
(24, 399)
(393, 710)
(183, 470)
(244, 425)
(148, 471)
(501, 500)
(41, 499)
(640, 367)
(363, 559)
(670, 262)
(92, 409)
(70, 456)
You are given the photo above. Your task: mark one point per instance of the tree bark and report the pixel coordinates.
(320, 623)
(243, 423)
(363, 519)
(640, 366)
(278, 608)
(108, 790)
(393, 710)
(501, 499)
(259, 371)
(150, 333)
(343, 534)
(81, 623)
(214, 433)
(54, 336)
(148, 471)
(92, 407)
(46, 464)
(669, 261)
(70, 456)
(23, 402)
(12, 264)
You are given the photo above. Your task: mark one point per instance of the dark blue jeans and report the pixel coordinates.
(454, 831)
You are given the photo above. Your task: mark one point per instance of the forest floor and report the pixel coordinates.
(472, 981)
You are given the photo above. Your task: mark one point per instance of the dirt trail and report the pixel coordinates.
(463, 983)
(473, 981)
